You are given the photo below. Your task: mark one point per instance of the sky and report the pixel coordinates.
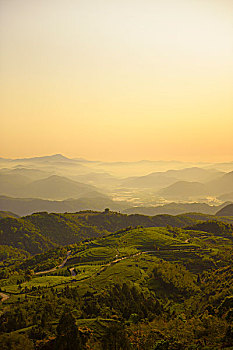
(117, 80)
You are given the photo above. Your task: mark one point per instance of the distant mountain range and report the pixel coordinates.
(57, 177)
(142, 166)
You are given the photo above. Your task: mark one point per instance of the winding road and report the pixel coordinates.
(56, 267)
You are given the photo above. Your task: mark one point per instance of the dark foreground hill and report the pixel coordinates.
(226, 211)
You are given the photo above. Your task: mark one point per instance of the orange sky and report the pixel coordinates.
(117, 80)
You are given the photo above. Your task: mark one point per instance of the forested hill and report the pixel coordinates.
(21, 234)
(219, 228)
(41, 231)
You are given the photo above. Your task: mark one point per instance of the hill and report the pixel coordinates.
(92, 200)
(157, 180)
(141, 288)
(134, 288)
(154, 180)
(21, 234)
(31, 173)
(7, 214)
(10, 184)
(55, 187)
(195, 174)
(102, 179)
(51, 158)
(41, 231)
(175, 209)
(226, 197)
(222, 185)
(226, 211)
(216, 227)
(184, 190)
(16, 183)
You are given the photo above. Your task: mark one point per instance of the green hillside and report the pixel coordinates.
(42, 231)
(142, 288)
(216, 227)
(19, 233)
(138, 288)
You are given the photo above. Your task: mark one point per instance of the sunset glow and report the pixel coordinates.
(117, 80)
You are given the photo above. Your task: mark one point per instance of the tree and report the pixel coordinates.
(15, 342)
(115, 338)
(68, 337)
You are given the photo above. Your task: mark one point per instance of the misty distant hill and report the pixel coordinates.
(226, 211)
(176, 209)
(55, 187)
(52, 158)
(222, 185)
(33, 178)
(184, 189)
(52, 187)
(28, 172)
(227, 166)
(153, 180)
(226, 197)
(62, 165)
(158, 180)
(11, 183)
(195, 174)
(92, 201)
(102, 179)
